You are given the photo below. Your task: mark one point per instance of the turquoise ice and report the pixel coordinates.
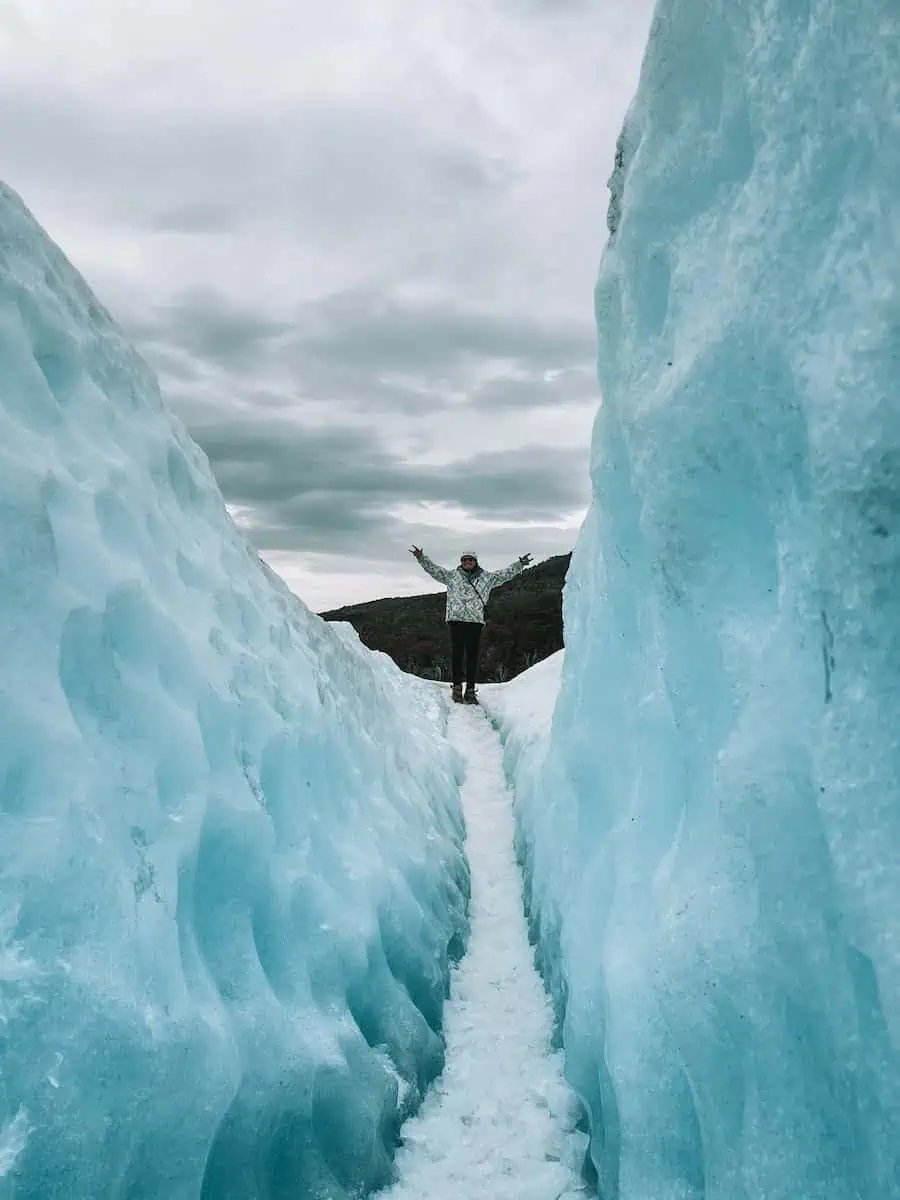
(713, 844)
(232, 878)
(231, 871)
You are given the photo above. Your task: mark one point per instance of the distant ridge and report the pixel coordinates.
(524, 625)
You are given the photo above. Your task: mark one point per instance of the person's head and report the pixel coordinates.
(468, 562)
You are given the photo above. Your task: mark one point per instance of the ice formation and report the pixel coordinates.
(713, 837)
(230, 838)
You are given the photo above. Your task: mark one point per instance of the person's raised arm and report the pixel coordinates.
(441, 574)
(510, 572)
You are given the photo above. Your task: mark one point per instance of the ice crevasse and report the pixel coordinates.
(711, 830)
(231, 867)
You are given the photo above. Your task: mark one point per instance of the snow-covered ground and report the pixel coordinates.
(546, 837)
(523, 708)
(499, 1124)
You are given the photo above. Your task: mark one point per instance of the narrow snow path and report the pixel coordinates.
(498, 1124)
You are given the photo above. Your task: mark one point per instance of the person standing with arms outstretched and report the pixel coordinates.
(468, 587)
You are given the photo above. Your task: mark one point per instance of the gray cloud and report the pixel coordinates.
(209, 329)
(199, 217)
(332, 171)
(315, 488)
(383, 333)
(349, 243)
(369, 331)
(550, 388)
(331, 488)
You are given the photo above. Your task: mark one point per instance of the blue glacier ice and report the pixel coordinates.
(711, 829)
(231, 867)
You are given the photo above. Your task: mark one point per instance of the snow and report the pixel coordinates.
(545, 835)
(524, 707)
(500, 1123)
(522, 710)
(711, 827)
(231, 861)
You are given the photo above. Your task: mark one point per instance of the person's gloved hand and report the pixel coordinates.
(525, 559)
(416, 551)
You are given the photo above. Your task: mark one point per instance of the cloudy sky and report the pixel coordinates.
(356, 238)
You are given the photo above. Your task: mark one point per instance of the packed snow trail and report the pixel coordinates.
(499, 1123)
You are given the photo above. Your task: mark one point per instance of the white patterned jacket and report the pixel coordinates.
(467, 594)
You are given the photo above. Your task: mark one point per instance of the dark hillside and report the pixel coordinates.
(524, 625)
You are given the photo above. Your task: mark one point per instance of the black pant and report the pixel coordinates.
(464, 639)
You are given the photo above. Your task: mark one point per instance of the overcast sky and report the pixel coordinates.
(357, 239)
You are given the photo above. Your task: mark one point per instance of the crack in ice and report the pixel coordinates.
(500, 1121)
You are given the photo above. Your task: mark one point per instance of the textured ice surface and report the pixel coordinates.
(522, 710)
(714, 843)
(230, 864)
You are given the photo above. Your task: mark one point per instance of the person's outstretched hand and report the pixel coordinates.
(416, 551)
(525, 559)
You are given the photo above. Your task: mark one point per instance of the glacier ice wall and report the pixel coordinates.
(230, 843)
(713, 845)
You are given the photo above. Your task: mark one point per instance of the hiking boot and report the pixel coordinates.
(470, 697)
(456, 695)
